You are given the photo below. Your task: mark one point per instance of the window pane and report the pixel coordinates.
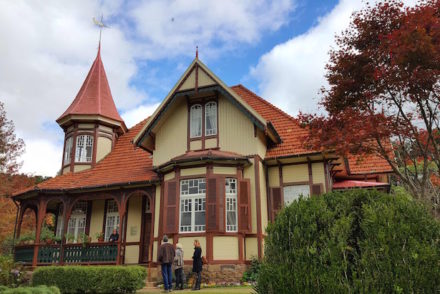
(84, 148)
(231, 204)
(196, 121)
(210, 118)
(192, 205)
(68, 150)
(292, 193)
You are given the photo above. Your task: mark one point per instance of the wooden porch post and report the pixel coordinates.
(19, 221)
(67, 211)
(122, 207)
(41, 213)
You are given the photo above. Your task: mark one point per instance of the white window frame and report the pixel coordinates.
(84, 143)
(113, 216)
(192, 202)
(297, 195)
(77, 221)
(231, 203)
(211, 110)
(68, 150)
(195, 114)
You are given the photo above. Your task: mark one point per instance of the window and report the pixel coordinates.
(68, 150)
(192, 205)
(231, 205)
(111, 219)
(196, 121)
(84, 147)
(210, 118)
(292, 193)
(77, 221)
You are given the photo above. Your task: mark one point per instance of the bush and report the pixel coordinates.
(91, 279)
(30, 290)
(11, 274)
(251, 274)
(359, 241)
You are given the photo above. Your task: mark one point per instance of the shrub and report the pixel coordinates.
(359, 241)
(11, 274)
(251, 274)
(91, 279)
(30, 290)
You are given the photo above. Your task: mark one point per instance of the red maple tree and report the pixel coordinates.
(384, 92)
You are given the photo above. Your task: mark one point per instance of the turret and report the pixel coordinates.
(91, 123)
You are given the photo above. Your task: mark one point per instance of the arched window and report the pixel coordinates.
(68, 150)
(196, 121)
(211, 118)
(84, 148)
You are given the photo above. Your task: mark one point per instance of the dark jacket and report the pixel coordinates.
(166, 253)
(113, 237)
(197, 260)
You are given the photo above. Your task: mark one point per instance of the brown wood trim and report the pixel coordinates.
(196, 85)
(309, 166)
(95, 145)
(327, 184)
(295, 183)
(280, 174)
(294, 163)
(241, 247)
(161, 212)
(218, 125)
(124, 237)
(88, 216)
(258, 206)
(105, 215)
(188, 143)
(73, 155)
(133, 243)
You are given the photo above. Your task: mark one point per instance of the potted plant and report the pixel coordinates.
(70, 238)
(47, 235)
(100, 237)
(84, 238)
(57, 239)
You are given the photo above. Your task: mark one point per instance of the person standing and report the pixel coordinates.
(165, 258)
(178, 267)
(197, 264)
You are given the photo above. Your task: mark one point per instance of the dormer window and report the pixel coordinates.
(84, 148)
(196, 121)
(68, 150)
(211, 118)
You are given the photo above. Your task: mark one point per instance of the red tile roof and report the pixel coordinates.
(367, 164)
(287, 127)
(125, 164)
(357, 184)
(95, 96)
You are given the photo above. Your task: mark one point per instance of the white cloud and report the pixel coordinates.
(42, 157)
(138, 114)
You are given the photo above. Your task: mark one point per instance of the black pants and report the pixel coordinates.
(179, 278)
(198, 280)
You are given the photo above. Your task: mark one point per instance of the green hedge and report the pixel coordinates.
(352, 242)
(91, 279)
(30, 290)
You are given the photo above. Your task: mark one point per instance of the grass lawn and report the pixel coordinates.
(240, 290)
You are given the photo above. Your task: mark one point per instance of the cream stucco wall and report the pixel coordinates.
(132, 254)
(157, 212)
(210, 143)
(318, 173)
(274, 176)
(134, 219)
(195, 145)
(78, 168)
(171, 134)
(169, 176)
(155, 245)
(224, 170)
(66, 169)
(225, 248)
(263, 194)
(104, 147)
(236, 131)
(295, 173)
(96, 218)
(251, 248)
(193, 171)
(188, 246)
(249, 173)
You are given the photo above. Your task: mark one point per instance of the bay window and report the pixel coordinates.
(211, 118)
(231, 204)
(84, 148)
(192, 205)
(195, 121)
(68, 150)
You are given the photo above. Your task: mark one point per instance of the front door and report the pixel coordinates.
(147, 229)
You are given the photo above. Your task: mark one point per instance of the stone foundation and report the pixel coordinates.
(227, 274)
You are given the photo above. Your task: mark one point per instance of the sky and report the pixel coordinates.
(278, 49)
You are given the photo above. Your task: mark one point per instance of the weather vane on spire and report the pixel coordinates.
(101, 25)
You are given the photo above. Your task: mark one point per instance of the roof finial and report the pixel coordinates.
(197, 52)
(101, 25)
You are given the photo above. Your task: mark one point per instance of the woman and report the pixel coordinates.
(178, 267)
(197, 264)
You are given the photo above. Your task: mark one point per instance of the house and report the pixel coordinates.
(213, 163)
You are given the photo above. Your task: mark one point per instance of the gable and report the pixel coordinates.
(196, 78)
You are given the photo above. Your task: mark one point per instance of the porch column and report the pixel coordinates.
(19, 221)
(67, 211)
(41, 213)
(122, 212)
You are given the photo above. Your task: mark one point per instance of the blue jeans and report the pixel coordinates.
(167, 276)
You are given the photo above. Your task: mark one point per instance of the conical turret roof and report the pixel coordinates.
(94, 97)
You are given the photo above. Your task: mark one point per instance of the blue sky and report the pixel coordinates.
(276, 48)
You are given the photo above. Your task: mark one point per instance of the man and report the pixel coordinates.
(114, 237)
(165, 258)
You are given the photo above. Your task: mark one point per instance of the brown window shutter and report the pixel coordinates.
(215, 204)
(275, 203)
(171, 214)
(244, 206)
(317, 189)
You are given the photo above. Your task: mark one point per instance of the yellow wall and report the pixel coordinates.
(81, 167)
(249, 173)
(190, 82)
(169, 176)
(134, 219)
(157, 212)
(237, 131)
(195, 145)
(318, 173)
(104, 147)
(193, 171)
(132, 254)
(295, 173)
(155, 244)
(104, 128)
(66, 170)
(96, 218)
(171, 134)
(274, 176)
(225, 170)
(251, 248)
(225, 248)
(188, 246)
(210, 143)
(263, 193)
